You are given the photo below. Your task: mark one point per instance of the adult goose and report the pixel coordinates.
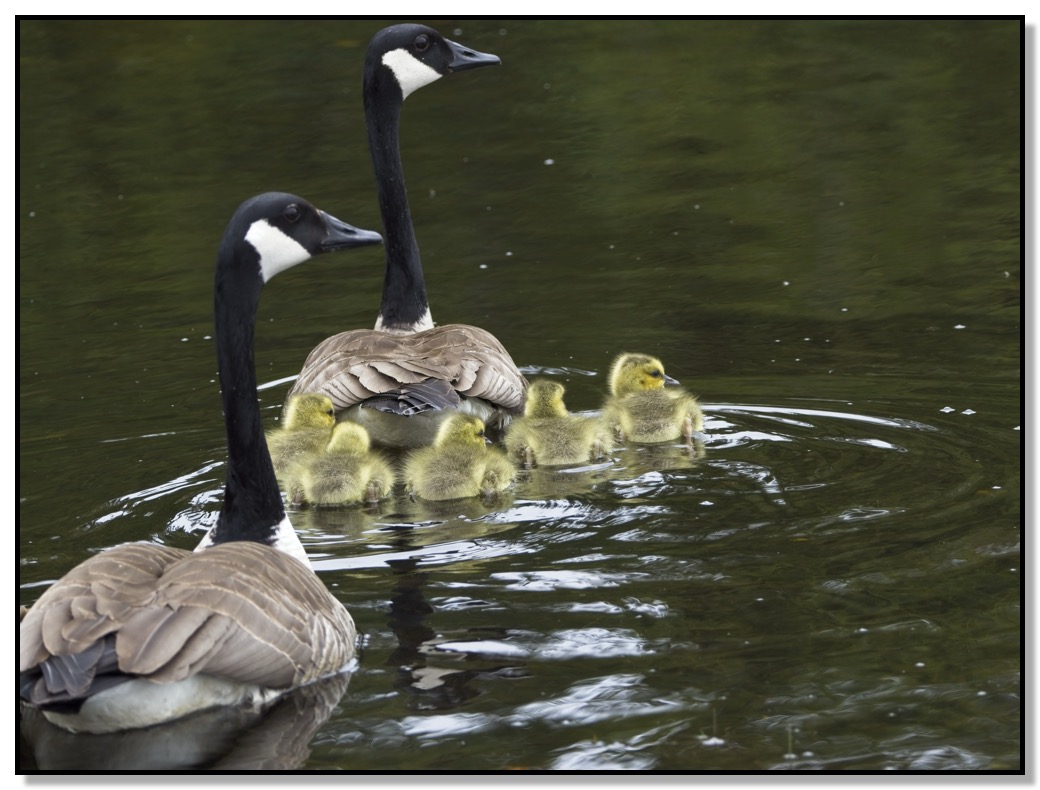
(401, 378)
(144, 633)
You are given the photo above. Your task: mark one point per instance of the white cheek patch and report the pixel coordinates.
(411, 74)
(277, 251)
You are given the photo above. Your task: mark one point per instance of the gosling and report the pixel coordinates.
(459, 464)
(346, 471)
(642, 410)
(549, 435)
(306, 429)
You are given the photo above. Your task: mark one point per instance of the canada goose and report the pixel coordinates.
(459, 464)
(346, 470)
(549, 435)
(399, 379)
(642, 409)
(306, 429)
(145, 633)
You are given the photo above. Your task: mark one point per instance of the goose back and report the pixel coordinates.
(433, 373)
(172, 613)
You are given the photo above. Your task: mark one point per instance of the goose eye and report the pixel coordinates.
(331, 412)
(655, 373)
(292, 212)
(422, 43)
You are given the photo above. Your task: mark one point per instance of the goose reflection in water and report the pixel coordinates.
(219, 739)
(430, 686)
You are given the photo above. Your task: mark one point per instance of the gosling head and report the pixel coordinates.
(638, 373)
(309, 410)
(545, 399)
(461, 430)
(349, 437)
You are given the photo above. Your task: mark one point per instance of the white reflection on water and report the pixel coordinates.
(432, 555)
(445, 725)
(595, 643)
(608, 697)
(596, 755)
(266, 385)
(490, 649)
(540, 581)
(889, 422)
(651, 609)
(168, 487)
(868, 442)
(562, 645)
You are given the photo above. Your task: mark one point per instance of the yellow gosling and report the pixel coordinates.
(305, 430)
(642, 409)
(549, 435)
(346, 471)
(459, 464)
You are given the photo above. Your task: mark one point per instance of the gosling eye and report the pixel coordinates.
(655, 373)
(422, 42)
(331, 412)
(292, 213)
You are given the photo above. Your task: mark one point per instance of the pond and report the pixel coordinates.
(815, 225)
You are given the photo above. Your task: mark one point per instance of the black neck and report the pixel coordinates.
(252, 506)
(404, 288)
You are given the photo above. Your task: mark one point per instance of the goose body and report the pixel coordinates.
(143, 633)
(459, 464)
(648, 406)
(305, 430)
(346, 471)
(548, 435)
(402, 377)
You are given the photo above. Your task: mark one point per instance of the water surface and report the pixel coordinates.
(816, 225)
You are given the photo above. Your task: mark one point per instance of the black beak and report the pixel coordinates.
(670, 382)
(342, 236)
(465, 58)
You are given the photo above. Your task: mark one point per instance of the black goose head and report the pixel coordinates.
(277, 230)
(406, 57)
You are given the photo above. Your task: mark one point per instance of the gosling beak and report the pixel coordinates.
(465, 58)
(670, 382)
(343, 236)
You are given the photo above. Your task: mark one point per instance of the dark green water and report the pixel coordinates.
(816, 225)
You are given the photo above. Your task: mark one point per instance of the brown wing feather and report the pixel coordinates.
(361, 363)
(242, 611)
